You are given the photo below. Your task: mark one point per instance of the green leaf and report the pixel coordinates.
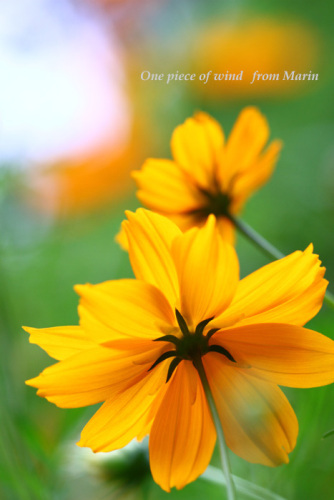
(250, 490)
(327, 434)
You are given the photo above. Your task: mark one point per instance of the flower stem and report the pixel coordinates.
(269, 249)
(329, 299)
(220, 434)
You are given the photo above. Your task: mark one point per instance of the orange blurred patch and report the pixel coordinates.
(264, 45)
(87, 181)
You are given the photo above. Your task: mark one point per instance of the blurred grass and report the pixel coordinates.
(41, 260)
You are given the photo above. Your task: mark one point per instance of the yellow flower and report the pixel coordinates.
(140, 340)
(208, 176)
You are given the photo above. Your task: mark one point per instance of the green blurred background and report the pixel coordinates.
(59, 219)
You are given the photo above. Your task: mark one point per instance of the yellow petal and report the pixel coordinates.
(150, 237)
(258, 422)
(182, 436)
(124, 416)
(167, 189)
(187, 221)
(255, 176)
(226, 229)
(60, 342)
(246, 141)
(208, 271)
(122, 239)
(197, 147)
(289, 290)
(92, 376)
(123, 308)
(283, 354)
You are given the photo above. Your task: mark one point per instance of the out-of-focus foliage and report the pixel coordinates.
(42, 255)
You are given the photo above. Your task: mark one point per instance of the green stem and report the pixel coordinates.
(327, 434)
(329, 299)
(269, 249)
(220, 434)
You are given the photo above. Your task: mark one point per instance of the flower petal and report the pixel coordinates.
(94, 375)
(122, 240)
(226, 229)
(150, 237)
(182, 436)
(123, 308)
(197, 147)
(258, 422)
(208, 271)
(289, 290)
(124, 416)
(246, 141)
(255, 176)
(283, 354)
(60, 342)
(187, 221)
(167, 189)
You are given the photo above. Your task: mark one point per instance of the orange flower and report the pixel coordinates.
(140, 341)
(88, 181)
(267, 45)
(207, 176)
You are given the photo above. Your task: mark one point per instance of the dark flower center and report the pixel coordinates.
(215, 203)
(191, 346)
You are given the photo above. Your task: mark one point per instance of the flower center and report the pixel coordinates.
(191, 346)
(215, 203)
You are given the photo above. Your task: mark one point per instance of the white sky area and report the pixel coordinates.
(60, 83)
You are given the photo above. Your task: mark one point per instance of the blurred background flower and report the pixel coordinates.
(67, 113)
(75, 117)
(86, 181)
(268, 45)
(122, 474)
